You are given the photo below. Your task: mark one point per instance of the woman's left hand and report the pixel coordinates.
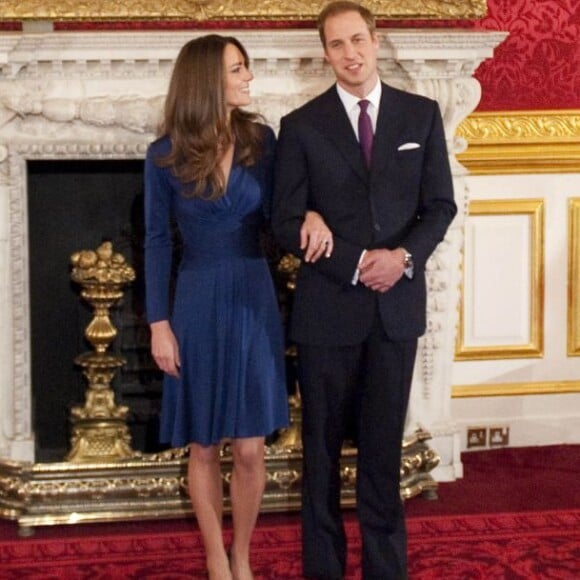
(315, 237)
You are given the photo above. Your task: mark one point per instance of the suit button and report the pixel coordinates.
(377, 227)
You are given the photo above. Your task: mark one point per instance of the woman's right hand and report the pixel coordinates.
(315, 237)
(164, 348)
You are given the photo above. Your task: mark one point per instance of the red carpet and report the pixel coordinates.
(459, 537)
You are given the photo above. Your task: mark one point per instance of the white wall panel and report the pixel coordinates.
(497, 280)
(496, 301)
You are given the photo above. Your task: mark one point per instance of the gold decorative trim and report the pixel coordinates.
(534, 349)
(573, 277)
(521, 142)
(200, 10)
(515, 389)
(154, 486)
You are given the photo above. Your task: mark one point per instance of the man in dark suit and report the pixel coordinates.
(358, 312)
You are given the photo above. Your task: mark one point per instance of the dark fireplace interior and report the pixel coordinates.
(76, 205)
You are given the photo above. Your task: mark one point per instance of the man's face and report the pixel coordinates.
(352, 52)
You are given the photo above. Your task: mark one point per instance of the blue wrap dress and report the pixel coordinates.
(224, 312)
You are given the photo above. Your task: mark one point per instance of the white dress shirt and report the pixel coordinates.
(350, 104)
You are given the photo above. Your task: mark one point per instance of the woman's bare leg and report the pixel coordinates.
(206, 493)
(246, 490)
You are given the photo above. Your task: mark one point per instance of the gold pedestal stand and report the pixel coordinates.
(103, 479)
(100, 432)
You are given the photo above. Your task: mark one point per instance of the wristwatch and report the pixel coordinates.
(409, 265)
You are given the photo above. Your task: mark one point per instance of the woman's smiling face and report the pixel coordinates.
(237, 78)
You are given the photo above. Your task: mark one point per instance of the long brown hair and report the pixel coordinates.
(196, 118)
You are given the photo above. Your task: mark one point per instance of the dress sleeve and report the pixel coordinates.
(158, 239)
(268, 164)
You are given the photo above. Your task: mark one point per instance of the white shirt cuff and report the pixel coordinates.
(354, 280)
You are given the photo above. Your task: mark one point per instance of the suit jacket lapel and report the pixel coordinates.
(334, 123)
(389, 125)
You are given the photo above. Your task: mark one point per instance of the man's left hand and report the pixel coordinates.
(381, 269)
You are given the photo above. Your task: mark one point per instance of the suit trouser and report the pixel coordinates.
(371, 381)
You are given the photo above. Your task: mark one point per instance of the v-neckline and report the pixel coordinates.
(227, 176)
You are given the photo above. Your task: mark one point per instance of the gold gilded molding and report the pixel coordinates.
(534, 208)
(200, 10)
(521, 142)
(515, 389)
(154, 486)
(573, 277)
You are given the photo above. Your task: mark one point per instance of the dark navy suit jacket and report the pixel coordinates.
(405, 199)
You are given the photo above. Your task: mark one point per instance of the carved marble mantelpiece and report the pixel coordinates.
(99, 95)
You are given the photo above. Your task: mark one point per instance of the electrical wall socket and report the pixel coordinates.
(476, 437)
(499, 436)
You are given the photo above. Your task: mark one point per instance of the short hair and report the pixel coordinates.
(341, 7)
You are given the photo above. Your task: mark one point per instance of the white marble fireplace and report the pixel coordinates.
(98, 95)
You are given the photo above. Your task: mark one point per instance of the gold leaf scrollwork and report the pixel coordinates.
(239, 10)
(521, 142)
(523, 126)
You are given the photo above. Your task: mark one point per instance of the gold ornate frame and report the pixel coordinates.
(534, 209)
(522, 142)
(236, 10)
(529, 142)
(573, 277)
(515, 389)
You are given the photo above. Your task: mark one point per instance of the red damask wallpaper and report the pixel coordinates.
(536, 67)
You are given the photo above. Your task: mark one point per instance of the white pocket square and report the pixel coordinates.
(408, 146)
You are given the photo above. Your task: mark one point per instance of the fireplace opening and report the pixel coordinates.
(75, 205)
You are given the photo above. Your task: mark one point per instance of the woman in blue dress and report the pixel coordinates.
(218, 336)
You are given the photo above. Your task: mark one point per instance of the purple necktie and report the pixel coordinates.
(365, 131)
